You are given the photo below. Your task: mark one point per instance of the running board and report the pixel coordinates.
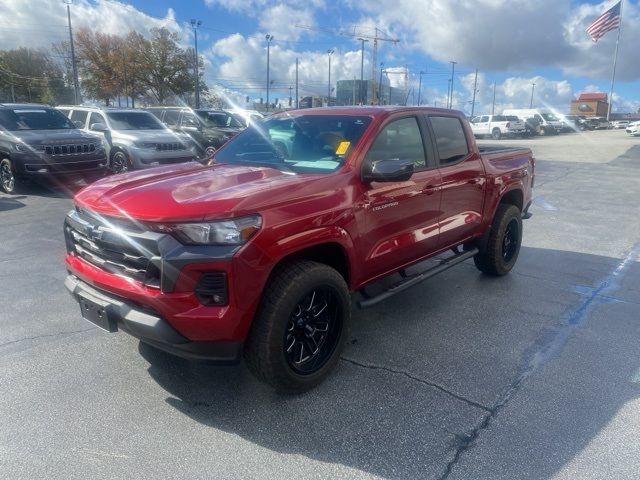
(409, 282)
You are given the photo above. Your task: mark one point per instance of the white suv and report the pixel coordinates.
(134, 139)
(497, 126)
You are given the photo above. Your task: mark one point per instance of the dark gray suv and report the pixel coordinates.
(39, 141)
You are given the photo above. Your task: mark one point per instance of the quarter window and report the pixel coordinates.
(400, 140)
(450, 139)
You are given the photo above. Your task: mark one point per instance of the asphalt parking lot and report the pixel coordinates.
(534, 375)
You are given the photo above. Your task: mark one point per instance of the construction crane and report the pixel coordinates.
(379, 36)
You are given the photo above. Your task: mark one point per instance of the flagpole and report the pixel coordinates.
(615, 62)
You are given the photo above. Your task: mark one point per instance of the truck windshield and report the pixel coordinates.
(302, 144)
(34, 119)
(134, 121)
(550, 117)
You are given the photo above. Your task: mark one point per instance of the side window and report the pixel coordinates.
(79, 116)
(171, 117)
(450, 139)
(484, 119)
(400, 140)
(156, 113)
(189, 120)
(539, 118)
(96, 118)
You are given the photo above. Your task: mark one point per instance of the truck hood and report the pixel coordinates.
(192, 192)
(53, 137)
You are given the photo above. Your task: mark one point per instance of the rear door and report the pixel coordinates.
(400, 219)
(482, 127)
(462, 180)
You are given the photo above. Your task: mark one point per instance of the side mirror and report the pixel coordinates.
(78, 124)
(99, 127)
(390, 170)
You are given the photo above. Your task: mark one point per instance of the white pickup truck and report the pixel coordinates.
(497, 126)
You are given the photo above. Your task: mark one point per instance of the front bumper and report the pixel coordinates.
(150, 328)
(29, 164)
(147, 157)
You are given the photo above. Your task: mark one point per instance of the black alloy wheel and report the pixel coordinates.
(7, 179)
(313, 331)
(510, 241)
(120, 162)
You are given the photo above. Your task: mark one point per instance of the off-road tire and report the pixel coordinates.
(492, 259)
(496, 134)
(265, 349)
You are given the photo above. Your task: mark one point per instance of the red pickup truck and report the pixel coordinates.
(258, 253)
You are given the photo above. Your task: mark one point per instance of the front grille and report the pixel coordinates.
(73, 149)
(104, 242)
(161, 147)
(212, 288)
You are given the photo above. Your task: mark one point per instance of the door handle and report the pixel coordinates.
(430, 189)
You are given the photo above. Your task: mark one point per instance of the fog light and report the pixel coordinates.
(212, 288)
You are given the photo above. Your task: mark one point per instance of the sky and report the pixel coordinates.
(512, 43)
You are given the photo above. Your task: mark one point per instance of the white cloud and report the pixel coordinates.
(282, 20)
(38, 23)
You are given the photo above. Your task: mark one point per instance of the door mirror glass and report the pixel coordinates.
(99, 127)
(391, 170)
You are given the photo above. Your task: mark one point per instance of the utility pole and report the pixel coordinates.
(453, 69)
(533, 88)
(475, 87)
(329, 53)
(360, 99)
(297, 97)
(493, 108)
(74, 66)
(380, 84)
(448, 92)
(269, 38)
(195, 24)
(420, 87)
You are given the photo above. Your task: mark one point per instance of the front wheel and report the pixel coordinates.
(120, 162)
(8, 181)
(498, 256)
(301, 327)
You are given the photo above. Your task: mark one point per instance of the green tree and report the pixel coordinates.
(99, 64)
(30, 75)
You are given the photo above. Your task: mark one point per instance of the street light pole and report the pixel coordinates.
(475, 87)
(420, 87)
(76, 85)
(533, 87)
(493, 108)
(453, 69)
(297, 97)
(196, 70)
(360, 95)
(380, 84)
(269, 39)
(329, 53)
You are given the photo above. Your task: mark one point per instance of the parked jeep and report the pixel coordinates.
(38, 141)
(206, 133)
(134, 139)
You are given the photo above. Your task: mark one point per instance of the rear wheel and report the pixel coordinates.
(496, 134)
(301, 327)
(8, 181)
(499, 254)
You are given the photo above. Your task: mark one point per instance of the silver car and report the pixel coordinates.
(134, 139)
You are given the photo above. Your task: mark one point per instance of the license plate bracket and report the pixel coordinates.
(97, 312)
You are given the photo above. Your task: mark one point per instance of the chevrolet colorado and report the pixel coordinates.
(259, 252)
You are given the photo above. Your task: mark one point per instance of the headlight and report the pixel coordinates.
(226, 232)
(20, 147)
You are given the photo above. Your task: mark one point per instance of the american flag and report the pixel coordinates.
(609, 20)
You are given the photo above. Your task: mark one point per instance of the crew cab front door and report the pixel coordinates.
(400, 219)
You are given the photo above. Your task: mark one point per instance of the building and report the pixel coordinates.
(347, 93)
(590, 105)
